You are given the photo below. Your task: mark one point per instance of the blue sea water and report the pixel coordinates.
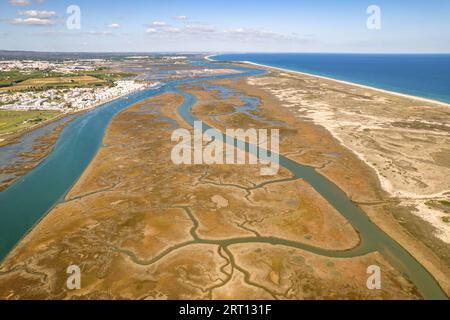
(423, 75)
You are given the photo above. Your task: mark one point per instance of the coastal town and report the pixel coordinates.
(65, 86)
(70, 100)
(67, 66)
(225, 158)
(71, 85)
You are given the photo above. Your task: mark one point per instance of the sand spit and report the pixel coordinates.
(352, 84)
(404, 139)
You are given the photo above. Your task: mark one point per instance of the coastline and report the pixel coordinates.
(421, 251)
(407, 197)
(14, 136)
(384, 183)
(399, 94)
(77, 193)
(96, 189)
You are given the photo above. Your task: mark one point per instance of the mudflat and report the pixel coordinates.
(141, 227)
(339, 128)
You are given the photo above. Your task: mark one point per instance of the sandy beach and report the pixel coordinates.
(402, 138)
(210, 58)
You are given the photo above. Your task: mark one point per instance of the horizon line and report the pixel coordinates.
(222, 52)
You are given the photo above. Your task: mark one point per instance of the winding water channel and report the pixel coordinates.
(31, 197)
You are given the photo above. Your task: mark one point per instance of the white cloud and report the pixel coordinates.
(159, 24)
(205, 30)
(98, 33)
(20, 3)
(65, 33)
(200, 28)
(160, 27)
(164, 30)
(249, 33)
(50, 33)
(32, 21)
(200, 32)
(172, 30)
(181, 18)
(114, 26)
(37, 14)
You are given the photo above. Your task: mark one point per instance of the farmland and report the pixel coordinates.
(12, 121)
(54, 82)
(12, 81)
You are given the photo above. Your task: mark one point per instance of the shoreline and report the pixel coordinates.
(17, 137)
(209, 58)
(384, 183)
(90, 164)
(58, 201)
(418, 249)
(395, 93)
(14, 136)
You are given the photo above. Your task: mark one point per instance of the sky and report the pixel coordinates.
(402, 26)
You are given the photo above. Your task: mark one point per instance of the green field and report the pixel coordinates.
(9, 78)
(12, 121)
(108, 75)
(11, 81)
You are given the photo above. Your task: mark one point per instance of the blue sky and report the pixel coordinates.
(233, 25)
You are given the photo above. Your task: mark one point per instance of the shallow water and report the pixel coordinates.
(372, 237)
(28, 200)
(423, 75)
(10, 155)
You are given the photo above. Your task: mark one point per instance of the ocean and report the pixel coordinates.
(422, 75)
